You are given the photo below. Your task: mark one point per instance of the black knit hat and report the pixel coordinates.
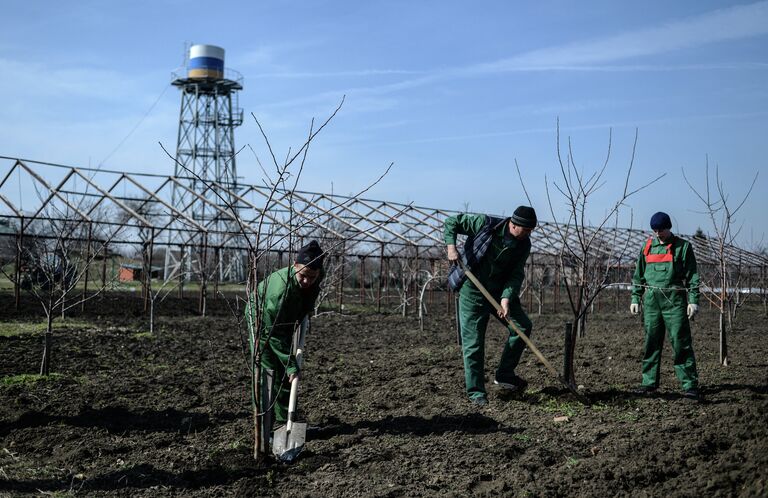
(524, 216)
(311, 255)
(660, 221)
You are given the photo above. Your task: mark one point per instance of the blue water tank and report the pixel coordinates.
(206, 61)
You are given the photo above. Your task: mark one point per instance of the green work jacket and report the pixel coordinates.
(502, 269)
(680, 273)
(283, 304)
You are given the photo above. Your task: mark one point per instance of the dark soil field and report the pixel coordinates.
(130, 414)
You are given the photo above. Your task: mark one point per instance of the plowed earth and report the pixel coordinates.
(169, 414)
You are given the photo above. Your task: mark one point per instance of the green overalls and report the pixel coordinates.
(664, 273)
(284, 305)
(501, 271)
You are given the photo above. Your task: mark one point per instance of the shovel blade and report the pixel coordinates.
(286, 445)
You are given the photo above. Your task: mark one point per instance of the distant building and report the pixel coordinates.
(131, 272)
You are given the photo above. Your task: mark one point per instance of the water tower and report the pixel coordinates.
(205, 153)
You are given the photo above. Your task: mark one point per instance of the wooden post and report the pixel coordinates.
(17, 282)
(455, 301)
(568, 373)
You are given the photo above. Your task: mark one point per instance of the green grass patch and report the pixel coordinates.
(12, 329)
(28, 379)
(599, 407)
(632, 416)
(563, 408)
(15, 328)
(144, 336)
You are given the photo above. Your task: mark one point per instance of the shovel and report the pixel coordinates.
(521, 334)
(288, 440)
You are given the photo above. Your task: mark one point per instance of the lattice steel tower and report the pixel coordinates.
(205, 155)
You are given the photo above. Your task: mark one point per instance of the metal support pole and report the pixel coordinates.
(182, 248)
(87, 266)
(381, 279)
(556, 300)
(105, 253)
(361, 278)
(341, 278)
(431, 287)
(203, 275)
(386, 265)
(217, 272)
(148, 276)
(529, 276)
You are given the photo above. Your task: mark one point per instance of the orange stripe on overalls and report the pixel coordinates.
(657, 258)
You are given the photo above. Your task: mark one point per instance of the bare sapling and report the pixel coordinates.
(264, 238)
(589, 252)
(722, 212)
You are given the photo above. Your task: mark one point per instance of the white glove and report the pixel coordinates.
(634, 308)
(692, 310)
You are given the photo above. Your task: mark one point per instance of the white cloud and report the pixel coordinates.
(717, 26)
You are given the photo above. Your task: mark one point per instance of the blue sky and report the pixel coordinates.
(452, 92)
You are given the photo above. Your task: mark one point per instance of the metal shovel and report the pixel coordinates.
(288, 440)
(522, 335)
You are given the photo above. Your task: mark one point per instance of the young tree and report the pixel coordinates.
(261, 242)
(55, 251)
(588, 252)
(722, 212)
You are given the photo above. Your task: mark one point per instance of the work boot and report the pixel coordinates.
(479, 400)
(513, 384)
(693, 394)
(645, 390)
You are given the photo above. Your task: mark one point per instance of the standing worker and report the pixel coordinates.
(495, 251)
(285, 298)
(665, 273)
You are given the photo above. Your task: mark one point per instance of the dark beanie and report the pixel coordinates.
(660, 221)
(311, 255)
(524, 216)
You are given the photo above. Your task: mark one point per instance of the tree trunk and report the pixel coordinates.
(581, 326)
(152, 315)
(723, 341)
(570, 344)
(45, 365)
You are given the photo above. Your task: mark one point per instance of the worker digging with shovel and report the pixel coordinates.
(495, 251)
(285, 297)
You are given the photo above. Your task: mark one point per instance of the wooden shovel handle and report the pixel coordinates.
(292, 404)
(520, 333)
